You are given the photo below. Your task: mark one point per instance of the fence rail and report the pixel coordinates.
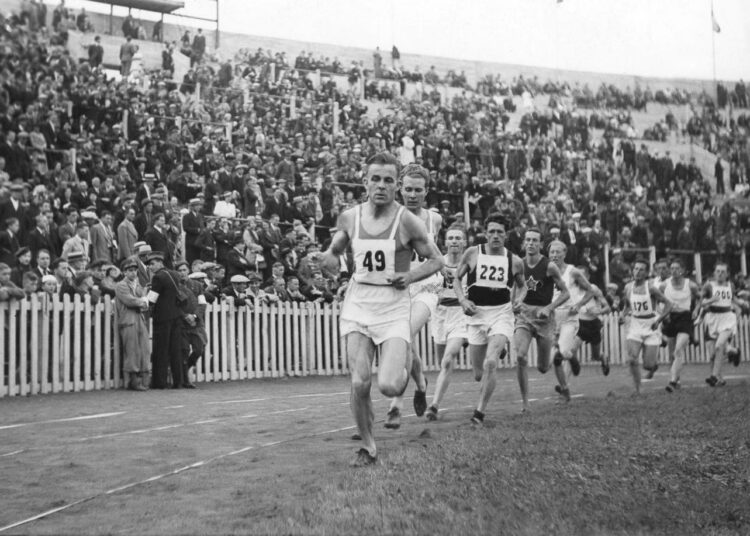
(59, 345)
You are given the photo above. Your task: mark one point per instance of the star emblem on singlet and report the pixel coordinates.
(532, 283)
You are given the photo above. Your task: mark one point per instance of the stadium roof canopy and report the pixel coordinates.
(157, 6)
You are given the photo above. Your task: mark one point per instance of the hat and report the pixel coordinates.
(16, 187)
(586, 230)
(22, 251)
(445, 202)
(155, 256)
(148, 176)
(616, 251)
(128, 263)
(75, 256)
(143, 249)
(139, 245)
(254, 276)
(554, 229)
(49, 279)
(209, 266)
(146, 201)
(89, 215)
(197, 275)
(195, 201)
(239, 279)
(576, 215)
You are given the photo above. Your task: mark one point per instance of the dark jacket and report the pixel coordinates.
(166, 308)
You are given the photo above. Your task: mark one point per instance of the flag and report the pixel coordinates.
(714, 24)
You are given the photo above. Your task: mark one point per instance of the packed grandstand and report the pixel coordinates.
(241, 167)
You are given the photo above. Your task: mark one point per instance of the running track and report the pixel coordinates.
(58, 452)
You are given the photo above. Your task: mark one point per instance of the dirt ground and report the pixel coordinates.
(271, 456)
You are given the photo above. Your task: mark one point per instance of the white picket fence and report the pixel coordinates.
(52, 346)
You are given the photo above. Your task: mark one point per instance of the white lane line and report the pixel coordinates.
(174, 407)
(11, 453)
(237, 401)
(194, 465)
(68, 419)
(319, 394)
(132, 432)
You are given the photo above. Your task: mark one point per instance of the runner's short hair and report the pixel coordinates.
(416, 171)
(384, 159)
(496, 218)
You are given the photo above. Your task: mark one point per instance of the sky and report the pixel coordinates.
(665, 38)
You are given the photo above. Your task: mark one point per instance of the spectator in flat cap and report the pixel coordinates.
(78, 243)
(157, 238)
(132, 305)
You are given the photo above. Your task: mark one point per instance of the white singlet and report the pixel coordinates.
(680, 298)
(374, 258)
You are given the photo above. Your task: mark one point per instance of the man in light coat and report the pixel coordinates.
(127, 235)
(103, 243)
(131, 305)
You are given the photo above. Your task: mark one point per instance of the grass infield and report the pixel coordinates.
(653, 465)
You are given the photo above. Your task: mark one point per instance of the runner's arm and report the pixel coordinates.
(415, 233)
(696, 296)
(329, 259)
(660, 297)
(464, 267)
(626, 307)
(554, 272)
(588, 288)
(518, 293)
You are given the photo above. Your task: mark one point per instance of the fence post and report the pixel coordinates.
(467, 215)
(698, 267)
(606, 263)
(651, 258)
(743, 262)
(335, 118)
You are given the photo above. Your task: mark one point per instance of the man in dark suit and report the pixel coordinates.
(168, 319)
(96, 53)
(145, 219)
(43, 259)
(198, 48)
(192, 225)
(40, 238)
(157, 238)
(9, 243)
(13, 207)
(236, 262)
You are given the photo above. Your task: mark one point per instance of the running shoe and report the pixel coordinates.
(356, 437)
(672, 387)
(605, 367)
(420, 400)
(477, 418)
(712, 381)
(650, 372)
(432, 413)
(564, 393)
(734, 357)
(393, 419)
(558, 389)
(503, 353)
(721, 383)
(575, 366)
(364, 458)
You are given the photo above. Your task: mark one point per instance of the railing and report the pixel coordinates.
(54, 345)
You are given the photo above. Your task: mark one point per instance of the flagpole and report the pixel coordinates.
(713, 49)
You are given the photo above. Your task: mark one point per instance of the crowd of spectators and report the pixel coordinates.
(244, 179)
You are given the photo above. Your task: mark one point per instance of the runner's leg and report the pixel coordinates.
(360, 353)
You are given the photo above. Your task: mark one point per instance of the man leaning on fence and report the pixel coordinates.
(132, 306)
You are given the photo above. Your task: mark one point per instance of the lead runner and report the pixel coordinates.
(377, 307)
